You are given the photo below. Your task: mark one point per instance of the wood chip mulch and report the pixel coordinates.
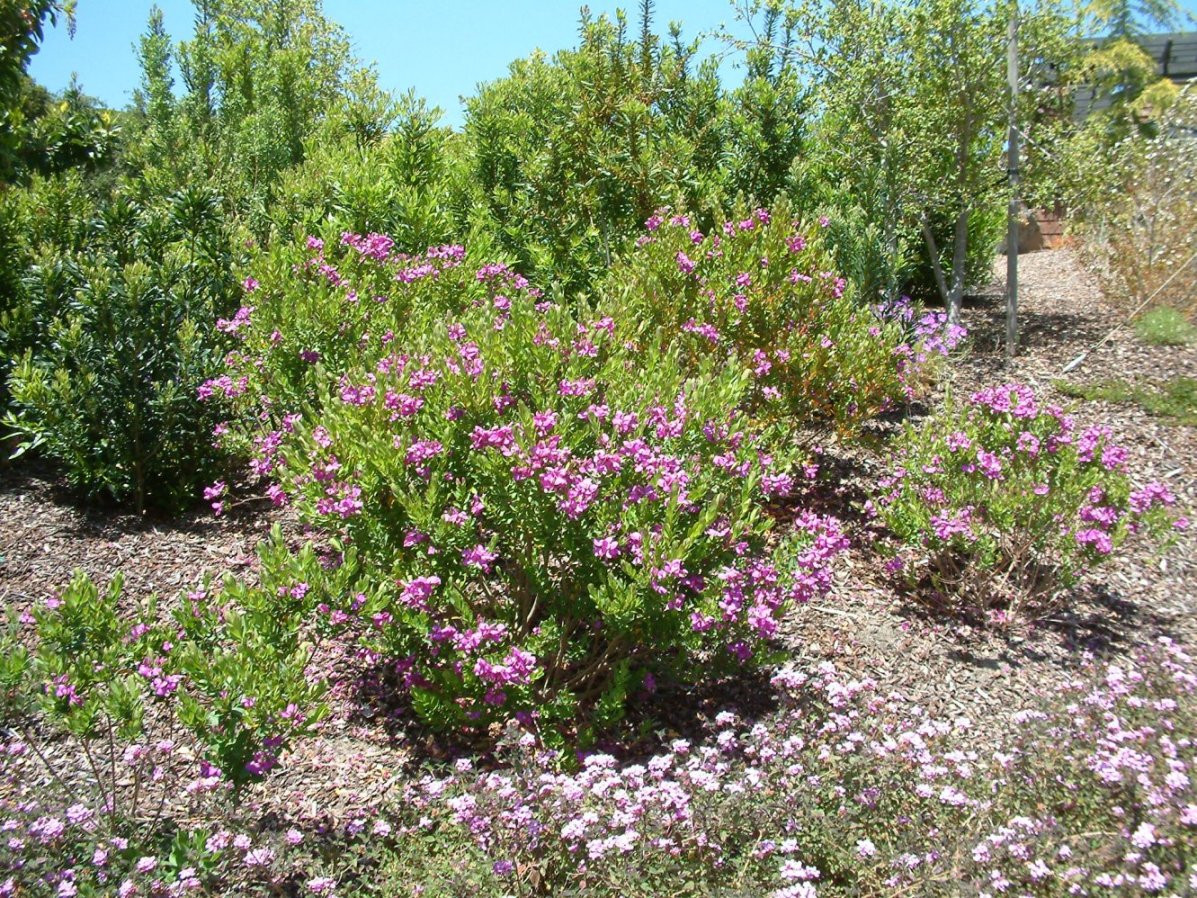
(953, 671)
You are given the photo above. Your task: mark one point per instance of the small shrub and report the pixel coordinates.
(763, 289)
(128, 687)
(1001, 504)
(1165, 326)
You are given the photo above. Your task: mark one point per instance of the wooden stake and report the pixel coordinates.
(1013, 211)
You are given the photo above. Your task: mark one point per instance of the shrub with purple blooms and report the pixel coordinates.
(546, 519)
(319, 306)
(1000, 504)
(764, 290)
(204, 700)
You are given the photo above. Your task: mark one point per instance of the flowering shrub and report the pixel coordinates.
(846, 790)
(322, 306)
(546, 518)
(228, 671)
(764, 290)
(1001, 503)
(929, 336)
(761, 289)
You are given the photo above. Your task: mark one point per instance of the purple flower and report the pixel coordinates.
(259, 857)
(606, 547)
(480, 557)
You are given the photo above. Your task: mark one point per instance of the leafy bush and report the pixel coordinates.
(410, 183)
(545, 517)
(228, 669)
(1165, 326)
(40, 226)
(764, 289)
(570, 154)
(109, 391)
(1001, 503)
(329, 304)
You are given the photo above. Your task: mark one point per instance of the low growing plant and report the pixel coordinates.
(848, 790)
(1000, 504)
(205, 699)
(1165, 326)
(1174, 400)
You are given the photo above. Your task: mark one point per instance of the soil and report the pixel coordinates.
(863, 626)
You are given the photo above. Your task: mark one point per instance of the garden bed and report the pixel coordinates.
(863, 626)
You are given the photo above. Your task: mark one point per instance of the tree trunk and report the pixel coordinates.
(952, 293)
(937, 269)
(959, 257)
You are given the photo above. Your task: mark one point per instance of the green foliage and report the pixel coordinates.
(115, 284)
(763, 289)
(228, 672)
(123, 337)
(21, 30)
(545, 512)
(1126, 19)
(913, 102)
(410, 183)
(1165, 326)
(1174, 400)
(260, 79)
(570, 155)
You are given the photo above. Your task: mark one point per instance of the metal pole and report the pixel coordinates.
(1012, 163)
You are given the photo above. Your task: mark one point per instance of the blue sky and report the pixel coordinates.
(441, 49)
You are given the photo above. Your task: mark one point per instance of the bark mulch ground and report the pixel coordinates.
(863, 626)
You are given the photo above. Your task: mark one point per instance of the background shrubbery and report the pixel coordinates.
(558, 166)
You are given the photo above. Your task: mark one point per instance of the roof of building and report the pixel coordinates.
(1175, 58)
(1175, 54)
